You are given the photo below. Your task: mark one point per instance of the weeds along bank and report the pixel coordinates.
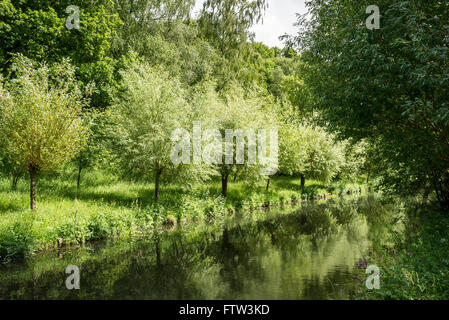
(107, 208)
(414, 264)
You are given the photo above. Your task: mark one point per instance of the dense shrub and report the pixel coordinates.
(16, 241)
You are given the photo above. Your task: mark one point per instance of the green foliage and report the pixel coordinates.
(105, 208)
(95, 151)
(387, 85)
(414, 268)
(37, 29)
(238, 110)
(16, 241)
(227, 22)
(39, 111)
(310, 151)
(182, 52)
(150, 107)
(142, 18)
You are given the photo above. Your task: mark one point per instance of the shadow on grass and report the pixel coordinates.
(122, 194)
(311, 186)
(7, 205)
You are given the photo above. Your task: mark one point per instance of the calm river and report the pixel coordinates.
(307, 251)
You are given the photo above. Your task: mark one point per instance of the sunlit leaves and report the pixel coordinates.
(40, 112)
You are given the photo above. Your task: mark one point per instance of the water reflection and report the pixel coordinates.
(291, 253)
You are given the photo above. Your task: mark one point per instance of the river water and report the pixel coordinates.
(306, 251)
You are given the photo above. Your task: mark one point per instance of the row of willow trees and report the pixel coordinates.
(46, 122)
(346, 100)
(111, 93)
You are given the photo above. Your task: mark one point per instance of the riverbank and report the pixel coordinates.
(415, 267)
(108, 208)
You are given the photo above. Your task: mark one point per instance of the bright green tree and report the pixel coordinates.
(94, 151)
(244, 114)
(309, 152)
(226, 25)
(40, 124)
(150, 107)
(143, 18)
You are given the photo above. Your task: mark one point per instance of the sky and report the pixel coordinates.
(278, 20)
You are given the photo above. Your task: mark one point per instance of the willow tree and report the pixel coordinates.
(144, 18)
(40, 124)
(292, 151)
(309, 152)
(227, 22)
(149, 109)
(242, 138)
(226, 25)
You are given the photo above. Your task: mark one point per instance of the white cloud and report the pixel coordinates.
(279, 19)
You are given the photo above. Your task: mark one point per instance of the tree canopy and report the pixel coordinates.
(389, 84)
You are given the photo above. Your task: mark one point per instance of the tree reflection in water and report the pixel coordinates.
(307, 252)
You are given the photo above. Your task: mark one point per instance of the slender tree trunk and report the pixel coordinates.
(443, 191)
(268, 184)
(33, 174)
(156, 184)
(78, 180)
(224, 184)
(131, 173)
(426, 193)
(15, 179)
(368, 176)
(303, 182)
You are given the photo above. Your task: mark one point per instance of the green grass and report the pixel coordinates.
(106, 207)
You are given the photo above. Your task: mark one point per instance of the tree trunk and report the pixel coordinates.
(444, 191)
(224, 184)
(426, 193)
(268, 184)
(156, 184)
(131, 173)
(78, 180)
(33, 174)
(303, 182)
(15, 179)
(367, 177)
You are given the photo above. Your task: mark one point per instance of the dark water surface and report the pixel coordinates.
(306, 252)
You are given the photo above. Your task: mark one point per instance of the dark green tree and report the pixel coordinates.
(37, 29)
(389, 84)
